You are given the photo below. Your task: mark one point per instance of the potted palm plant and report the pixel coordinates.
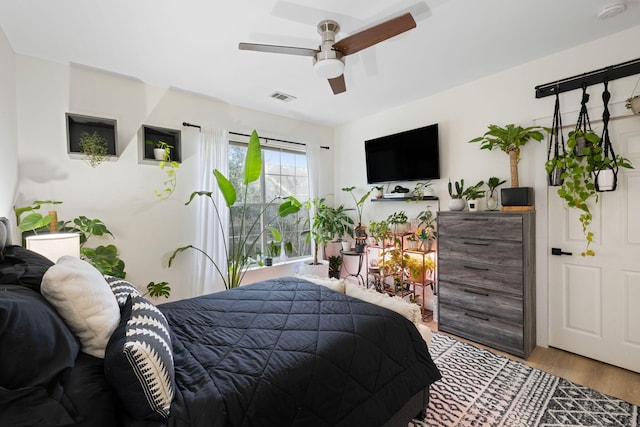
(510, 139)
(335, 263)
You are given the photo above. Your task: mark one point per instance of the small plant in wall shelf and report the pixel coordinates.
(162, 152)
(94, 147)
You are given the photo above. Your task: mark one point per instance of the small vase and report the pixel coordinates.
(554, 179)
(283, 251)
(492, 200)
(456, 204)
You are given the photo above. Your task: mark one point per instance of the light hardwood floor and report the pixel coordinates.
(599, 376)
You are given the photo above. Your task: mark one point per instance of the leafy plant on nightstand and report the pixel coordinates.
(335, 263)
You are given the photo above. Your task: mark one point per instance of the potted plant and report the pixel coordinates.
(492, 195)
(633, 104)
(360, 230)
(473, 194)
(510, 139)
(417, 267)
(335, 263)
(398, 222)
(456, 203)
(377, 191)
(380, 231)
(161, 151)
(272, 250)
(94, 147)
(426, 230)
(412, 241)
(422, 189)
(249, 229)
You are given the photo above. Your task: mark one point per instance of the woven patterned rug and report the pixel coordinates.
(479, 388)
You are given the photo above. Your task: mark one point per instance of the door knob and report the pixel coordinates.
(558, 251)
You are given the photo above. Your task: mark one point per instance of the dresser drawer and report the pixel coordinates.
(492, 304)
(491, 278)
(469, 250)
(481, 226)
(482, 328)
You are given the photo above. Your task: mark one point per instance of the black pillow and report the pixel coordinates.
(138, 361)
(20, 266)
(36, 346)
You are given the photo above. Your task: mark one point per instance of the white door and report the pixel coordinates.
(594, 302)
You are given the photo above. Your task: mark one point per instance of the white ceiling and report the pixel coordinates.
(193, 45)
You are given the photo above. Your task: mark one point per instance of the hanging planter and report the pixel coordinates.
(606, 163)
(556, 143)
(633, 102)
(584, 167)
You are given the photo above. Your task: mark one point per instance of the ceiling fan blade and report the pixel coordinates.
(366, 38)
(338, 85)
(301, 51)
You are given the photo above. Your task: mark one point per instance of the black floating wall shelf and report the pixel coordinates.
(612, 72)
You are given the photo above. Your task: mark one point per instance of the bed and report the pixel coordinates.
(283, 352)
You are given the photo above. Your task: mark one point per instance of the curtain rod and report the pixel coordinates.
(611, 72)
(265, 138)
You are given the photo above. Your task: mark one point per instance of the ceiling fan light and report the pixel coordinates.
(329, 68)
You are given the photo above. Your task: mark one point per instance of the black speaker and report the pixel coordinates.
(517, 196)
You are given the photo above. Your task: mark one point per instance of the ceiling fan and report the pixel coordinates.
(328, 59)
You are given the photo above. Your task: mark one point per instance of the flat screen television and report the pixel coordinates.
(411, 155)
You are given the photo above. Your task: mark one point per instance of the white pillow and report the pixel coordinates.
(426, 333)
(337, 285)
(397, 304)
(84, 299)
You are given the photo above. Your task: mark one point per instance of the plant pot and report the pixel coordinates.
(158, 153)
(412, 244)
(492, 200)
(377, 194)
(635, 104)
(581, 144)
(268, 261)
(456, 204)
(346, 246)
(473, 205)
(554, 179)
(320, 270)
(606, 180)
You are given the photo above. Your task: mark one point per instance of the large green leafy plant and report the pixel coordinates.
(327, 222)
(104, 258)
(509, 139)
(578, 187)
(244, 223)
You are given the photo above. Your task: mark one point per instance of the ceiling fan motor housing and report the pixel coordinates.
(328, 63)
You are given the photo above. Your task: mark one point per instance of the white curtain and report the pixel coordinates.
(212, 233)
(313, 161)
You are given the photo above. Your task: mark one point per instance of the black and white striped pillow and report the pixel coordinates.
(121, 289)
(139, 360)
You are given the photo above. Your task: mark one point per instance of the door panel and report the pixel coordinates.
(593, 300)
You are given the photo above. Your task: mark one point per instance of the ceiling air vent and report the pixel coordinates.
(281, 96)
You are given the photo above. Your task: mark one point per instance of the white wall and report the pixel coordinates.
(464, 113)
(8, 128)
(121, 192)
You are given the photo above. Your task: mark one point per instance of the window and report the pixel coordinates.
(284, 173)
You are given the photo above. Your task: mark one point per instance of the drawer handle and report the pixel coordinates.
(475, 219)
(476, 268)
(471, 291)
(475, 243)
(486, 319)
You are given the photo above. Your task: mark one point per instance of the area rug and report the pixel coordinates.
(479, 388)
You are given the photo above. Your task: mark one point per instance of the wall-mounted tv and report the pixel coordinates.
(411, 155)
